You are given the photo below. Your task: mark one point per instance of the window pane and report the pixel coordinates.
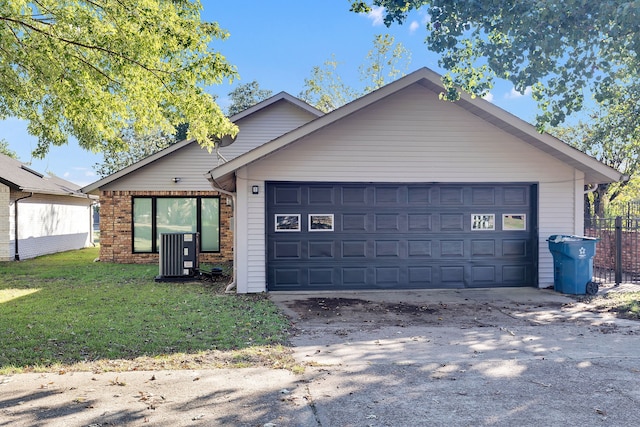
(175, 215)
(210, 227)
(142, 224)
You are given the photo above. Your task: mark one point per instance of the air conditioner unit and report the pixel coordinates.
(178, 256)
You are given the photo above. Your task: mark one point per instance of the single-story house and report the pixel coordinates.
(40, 214)
(169, 191)
(399, 189)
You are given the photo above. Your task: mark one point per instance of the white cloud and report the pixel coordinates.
(514, 94)
(413, 26)
(66, 174)
(89, 173)
(488, 97)
(376, 15)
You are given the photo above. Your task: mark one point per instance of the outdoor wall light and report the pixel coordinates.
(176, 179)
(255, 189)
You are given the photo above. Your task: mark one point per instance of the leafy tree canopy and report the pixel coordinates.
(386, 61)
(562, 49)
(138, 147)
(91, 68)
(4, 149)
(245, 96)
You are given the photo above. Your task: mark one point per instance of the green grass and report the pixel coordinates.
(624, 304)
(65, 311)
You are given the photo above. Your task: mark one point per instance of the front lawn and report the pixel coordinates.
(66, 312)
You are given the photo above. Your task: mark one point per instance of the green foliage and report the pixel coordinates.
(4, 149)
(608, 138)
(90, 69)
(64, 309)
(245, 96)
(384, 62)
(562, 49)
(137, 148)
(325, 89)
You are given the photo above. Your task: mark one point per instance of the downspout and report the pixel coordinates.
(91, 205)
(16, 255)
(591, 188)
(217, 188)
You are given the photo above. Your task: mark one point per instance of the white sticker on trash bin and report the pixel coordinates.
(582, 252)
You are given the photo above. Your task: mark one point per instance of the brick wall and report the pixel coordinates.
(606, 250)
(116, 229)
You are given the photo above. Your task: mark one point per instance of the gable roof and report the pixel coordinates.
(19, 176)
(595, 171)
(282, 96)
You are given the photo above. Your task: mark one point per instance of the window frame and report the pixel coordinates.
(154, 226)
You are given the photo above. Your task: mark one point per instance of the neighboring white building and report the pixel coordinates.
(399, 190)
(40, 215)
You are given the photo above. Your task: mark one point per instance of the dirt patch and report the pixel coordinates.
(377, 313)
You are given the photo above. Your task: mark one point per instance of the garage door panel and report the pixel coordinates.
(354, 196)
(516, 196)
(483, 248)
(483, 196)
(419, 196)
(387, 276)
(388, 196)
(322, 196)
(287, 250)
(353, 222)
(452, 248)
(451, 222)
(484, 274)
(419, 222)
(420, 276)
(387, 248)
(287, 196)
(322, 249)
(321, 276)
(390, 236)
(419, 248)
(514, 247)
(387, 222)
(451, 196)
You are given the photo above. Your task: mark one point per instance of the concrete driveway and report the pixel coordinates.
(499, 357)
(502, 357)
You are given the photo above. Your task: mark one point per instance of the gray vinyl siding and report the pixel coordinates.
(266, 125)
(412, 136)
(191, 163)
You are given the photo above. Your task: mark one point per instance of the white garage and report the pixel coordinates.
(401, 190)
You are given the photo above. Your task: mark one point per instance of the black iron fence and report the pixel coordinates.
(617, 258)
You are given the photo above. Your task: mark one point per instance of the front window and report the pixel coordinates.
(155, 215)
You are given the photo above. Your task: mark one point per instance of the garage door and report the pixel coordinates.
(348, 236)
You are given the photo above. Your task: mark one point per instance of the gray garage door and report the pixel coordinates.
(340, 236)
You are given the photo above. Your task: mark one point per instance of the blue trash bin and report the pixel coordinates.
(573, 264)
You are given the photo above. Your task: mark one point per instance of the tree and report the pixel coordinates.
(90, 68)
(325, 90)
(138, 147)
(605, 138)
(384, 62)
(245, 96)
(4, 149)
(562, 49)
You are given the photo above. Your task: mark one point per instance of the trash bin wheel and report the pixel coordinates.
(592, 288)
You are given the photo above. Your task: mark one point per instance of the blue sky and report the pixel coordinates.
(276, 43)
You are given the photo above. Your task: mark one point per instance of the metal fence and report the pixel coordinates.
(617, 258)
